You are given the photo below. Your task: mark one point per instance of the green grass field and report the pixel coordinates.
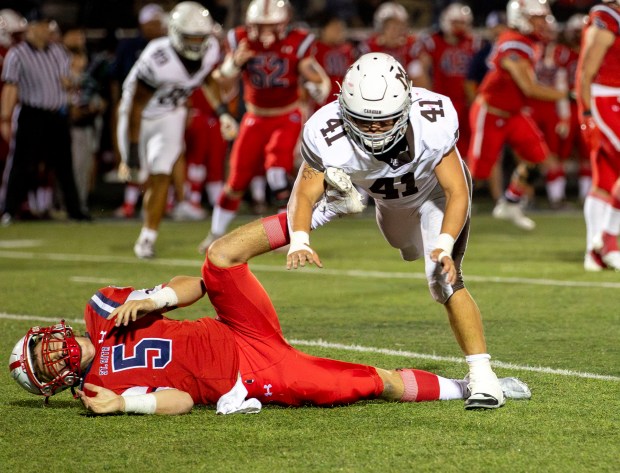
(546, 320)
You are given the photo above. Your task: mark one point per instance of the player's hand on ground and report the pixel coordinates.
(131, 311)
(103, 402)
(447, 264)
(297, 257)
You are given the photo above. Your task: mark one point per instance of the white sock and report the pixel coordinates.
(585, 183)
(214, 190)
(450, 389)
(321, 214)
(611, 222)
(593, 211)
(480, 364)
(556, 189)
(258, 189)
(148, 234)
(221, 219)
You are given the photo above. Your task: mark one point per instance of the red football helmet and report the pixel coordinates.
(61, 356)
(266, 20)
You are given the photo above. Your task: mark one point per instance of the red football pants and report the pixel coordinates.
(269, 141)
(272, 370)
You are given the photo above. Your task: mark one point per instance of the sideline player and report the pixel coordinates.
(598, 89)
(152, 112)
(498, 116)
(399, 145)
(134, 359)
(272, 60)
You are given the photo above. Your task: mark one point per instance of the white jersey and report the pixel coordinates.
(407, 180)
(160, 67)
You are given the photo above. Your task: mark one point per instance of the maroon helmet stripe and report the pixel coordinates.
(15, 364)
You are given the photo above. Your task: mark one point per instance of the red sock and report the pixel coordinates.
(419, 385)
(228, 203)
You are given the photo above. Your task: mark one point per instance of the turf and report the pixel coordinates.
(546, 320)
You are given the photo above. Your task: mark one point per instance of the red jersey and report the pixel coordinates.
(199, 357)
(552, 61)
(271, 77)
(198, 101)
(498, 88)
(335, 59)
(607, 17)
(450, 63)
(403, 53)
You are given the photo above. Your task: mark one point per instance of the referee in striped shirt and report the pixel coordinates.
(34, 118)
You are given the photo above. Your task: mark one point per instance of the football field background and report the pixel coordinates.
(546, 320)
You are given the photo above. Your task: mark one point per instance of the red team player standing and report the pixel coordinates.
(498, 114)
(273, 60)
(598, 89)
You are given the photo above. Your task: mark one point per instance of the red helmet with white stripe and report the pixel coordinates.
(61, 357)
(266, 20)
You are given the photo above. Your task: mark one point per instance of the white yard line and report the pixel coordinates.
(197, 263)
(381, 351)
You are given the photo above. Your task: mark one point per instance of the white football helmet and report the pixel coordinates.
(189, 28)
(453, 13)
(266, 20)
(518, 13)
(375, 89)
(11, 23)
(64, 352)
(389, 10)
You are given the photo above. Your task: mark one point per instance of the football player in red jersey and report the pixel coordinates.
(574, 144)
(273, 59)
(553, 118)
(598, 90)
(334, 52)
(497, 116)
(390, 22)
(135, 359)
(445, 56)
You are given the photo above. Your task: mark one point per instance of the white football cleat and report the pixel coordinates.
(486, 393)
(514, 388)
(505, 210)
(186, 211)
(593, 262)
(144, 249)
(341, 196)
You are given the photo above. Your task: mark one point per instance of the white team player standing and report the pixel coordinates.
(152, 110)
(398, 144)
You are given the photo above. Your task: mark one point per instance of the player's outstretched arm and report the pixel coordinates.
(165, 402)
(181, 291)
(308, 189)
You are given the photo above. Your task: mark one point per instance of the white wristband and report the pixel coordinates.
(445, 241)
(229, 68)
(442, 254)
(300, 240)
(165, 297)
(141, 404)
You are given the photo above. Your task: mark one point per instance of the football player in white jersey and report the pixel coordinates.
(398, 143)
(152, 110)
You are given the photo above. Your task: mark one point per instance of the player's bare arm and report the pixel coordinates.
(141, 97)
(451, 178)
(308, 188)
(181, 291)
(523, 74)
(317, 82)
(105, 401)
(596, 44)
(212, 91)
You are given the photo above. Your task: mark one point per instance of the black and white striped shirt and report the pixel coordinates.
(37, 74)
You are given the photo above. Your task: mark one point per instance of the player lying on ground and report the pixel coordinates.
(134, 359)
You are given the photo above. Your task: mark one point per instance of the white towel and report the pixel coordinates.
(235, 402)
